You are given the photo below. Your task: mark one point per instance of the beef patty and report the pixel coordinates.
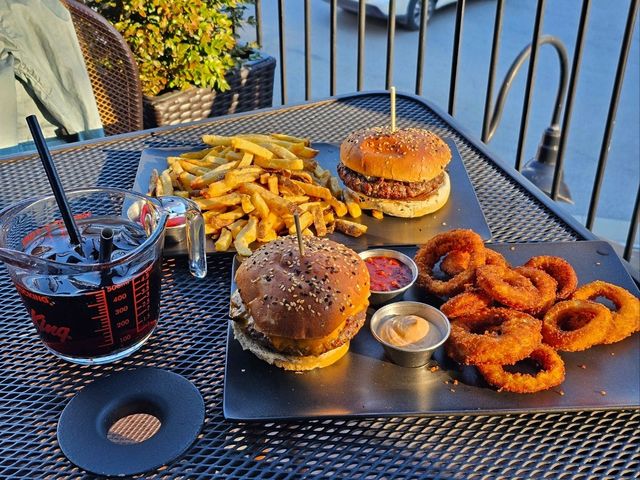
(378, 187)
(351, 327)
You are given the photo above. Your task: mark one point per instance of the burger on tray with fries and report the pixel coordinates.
(250, 186)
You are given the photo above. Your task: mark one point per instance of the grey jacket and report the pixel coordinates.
(42, 72)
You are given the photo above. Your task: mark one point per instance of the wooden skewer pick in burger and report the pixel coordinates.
(400, 172)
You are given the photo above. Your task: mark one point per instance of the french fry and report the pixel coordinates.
(216, 140)
(275, 203)
(283, 163)
(261, 207)
(339, 207)
(247, 206)
(252, 172)
(226, 218)
(246, 160)
(303, 152)
(269, 236)
(266, 230)
(221, 202)
(273, 185)
(302, 176)
(246, 237)
(329, 218)
(287, 185)
(215, 160)
(186, 179)
(219, 188)
(291, 139)
(212, 175)
(224, 241)
(261, 138)
(318, 221)
(334, 187)
(209, 230)
(177, 168)
(174, 178)
(278, 150)
(308, 206)
(236, 226)
(153, 182)
(377, 214)
(254, 148)
(350, 228)
(306, 219)
(196, 155)
(193, 169)
(354, 209)
(198, 162)
(313, 190)
(233, 156)
(298, 199)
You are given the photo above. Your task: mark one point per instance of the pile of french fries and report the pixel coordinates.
(250, 186)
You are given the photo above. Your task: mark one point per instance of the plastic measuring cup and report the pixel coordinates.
(86, 311)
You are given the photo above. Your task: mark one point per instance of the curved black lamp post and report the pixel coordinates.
(540, 170)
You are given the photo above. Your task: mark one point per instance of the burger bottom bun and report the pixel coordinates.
(406, 208)
(288, 362)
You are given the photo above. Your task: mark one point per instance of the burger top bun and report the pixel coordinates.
(303, 298)
(407, 155)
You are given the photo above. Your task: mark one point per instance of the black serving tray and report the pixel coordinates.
(365, 383)
(461, 211)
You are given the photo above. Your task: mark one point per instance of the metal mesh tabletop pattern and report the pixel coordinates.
(190, 341)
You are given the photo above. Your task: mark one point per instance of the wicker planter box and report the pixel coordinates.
(251, 88)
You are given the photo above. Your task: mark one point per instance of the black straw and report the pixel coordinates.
(106, 245)
(54, 180)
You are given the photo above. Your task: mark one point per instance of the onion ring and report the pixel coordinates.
(465, 303)
(626, 317)
(508, 287)
(551, 374)
(457, 261)
(495, 258)
(430, 253)
(561, 271)
(595, 321)
(544, 284)
(505, 336)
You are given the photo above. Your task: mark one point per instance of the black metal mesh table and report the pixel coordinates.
(190, 340)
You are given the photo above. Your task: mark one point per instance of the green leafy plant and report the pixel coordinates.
(179, 43)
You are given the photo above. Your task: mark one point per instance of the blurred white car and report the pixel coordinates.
(407, 11)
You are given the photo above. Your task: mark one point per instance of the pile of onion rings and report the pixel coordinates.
(503, 315)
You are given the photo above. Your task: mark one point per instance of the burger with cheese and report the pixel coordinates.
(401, 173)
(300, 312)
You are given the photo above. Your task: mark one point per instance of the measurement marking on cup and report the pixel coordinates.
(141, 299)
(103, 317)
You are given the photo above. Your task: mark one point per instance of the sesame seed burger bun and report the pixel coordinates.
(407, 155)
(299, 313)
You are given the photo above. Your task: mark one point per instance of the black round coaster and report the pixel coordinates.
(85, 421)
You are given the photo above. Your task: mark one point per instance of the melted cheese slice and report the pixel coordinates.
(280, 343)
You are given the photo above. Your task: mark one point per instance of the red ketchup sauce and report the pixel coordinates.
(387, 273)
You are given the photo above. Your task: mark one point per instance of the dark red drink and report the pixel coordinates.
(97, 314)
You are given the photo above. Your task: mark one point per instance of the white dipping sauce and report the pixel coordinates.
(409, 331)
